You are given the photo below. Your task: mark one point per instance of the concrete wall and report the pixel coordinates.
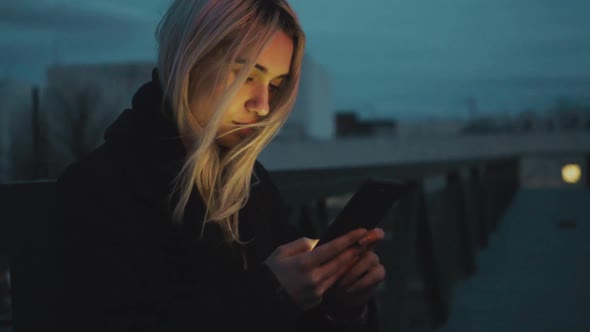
(387, 151)
(545, 171)
(542, 156)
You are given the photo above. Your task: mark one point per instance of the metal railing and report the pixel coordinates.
(433, 235)
(431, 238)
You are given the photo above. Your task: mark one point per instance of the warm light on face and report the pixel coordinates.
(571, 173)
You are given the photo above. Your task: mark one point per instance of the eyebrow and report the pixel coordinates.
(262, 68)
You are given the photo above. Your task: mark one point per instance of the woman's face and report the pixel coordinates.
(251, 103)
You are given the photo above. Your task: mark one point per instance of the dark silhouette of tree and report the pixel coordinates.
(568, 113)
(77, 122)
(480, 126)
(27, 146)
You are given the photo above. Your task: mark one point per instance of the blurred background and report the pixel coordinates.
(483, 105)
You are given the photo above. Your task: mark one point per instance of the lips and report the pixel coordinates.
(245, 131)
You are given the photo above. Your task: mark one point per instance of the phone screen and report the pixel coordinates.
(367, 207)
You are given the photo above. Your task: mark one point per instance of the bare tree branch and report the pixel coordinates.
(77, 119)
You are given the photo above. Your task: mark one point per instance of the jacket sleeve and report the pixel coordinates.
(109, 274)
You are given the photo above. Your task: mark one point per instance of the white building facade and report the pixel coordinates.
(314, 111)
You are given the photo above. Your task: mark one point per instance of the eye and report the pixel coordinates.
(273, 88)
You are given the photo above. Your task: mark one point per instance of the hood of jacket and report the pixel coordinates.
(145, 139)
(148, 124)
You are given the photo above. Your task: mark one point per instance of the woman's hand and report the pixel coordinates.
(306, 273)
(358, 285)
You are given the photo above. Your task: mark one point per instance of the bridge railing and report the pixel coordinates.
(431, 237)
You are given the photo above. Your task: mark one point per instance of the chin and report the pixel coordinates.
(229, 142)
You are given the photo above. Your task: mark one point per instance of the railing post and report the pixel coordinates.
(501, 179)
(483, 203)
(436, 283)
(455, 191)
(473, 208)
(397, 253)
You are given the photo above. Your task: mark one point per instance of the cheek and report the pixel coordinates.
(236, 104)
(201, 113)
(230, 79)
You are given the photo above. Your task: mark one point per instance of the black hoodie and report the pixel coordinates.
(123, 265)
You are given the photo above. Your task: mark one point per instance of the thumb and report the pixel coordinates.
(299, 246)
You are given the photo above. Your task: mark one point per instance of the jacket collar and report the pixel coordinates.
(148, 142)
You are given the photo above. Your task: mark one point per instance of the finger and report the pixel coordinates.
(367, 261)
(328, 251)
(371, 245)
(299, 246)
(371, 278)
(373, 236)
(329, 273)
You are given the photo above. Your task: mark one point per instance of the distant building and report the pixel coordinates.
(552, 121)
(349, 125)
(313, 114)
(571, 119)
(538, 171)
(430, 127)
(104, 90)
(4, 148)
(115, 83)
(15, 125)
(82, 100)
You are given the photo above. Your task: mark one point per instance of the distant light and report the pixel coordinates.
(571, 173)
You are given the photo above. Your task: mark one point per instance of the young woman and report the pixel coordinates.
(173, 225)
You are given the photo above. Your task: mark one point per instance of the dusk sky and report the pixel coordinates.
(387, 58)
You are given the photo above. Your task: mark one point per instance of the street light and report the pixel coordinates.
(571, 173)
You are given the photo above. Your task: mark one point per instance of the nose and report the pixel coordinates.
(259, 100)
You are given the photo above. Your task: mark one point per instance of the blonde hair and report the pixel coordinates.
(198, 41)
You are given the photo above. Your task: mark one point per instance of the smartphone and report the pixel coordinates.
(367, 207)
